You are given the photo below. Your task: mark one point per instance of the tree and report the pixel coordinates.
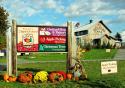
(3, 21)
(3, 27)
(118, 37)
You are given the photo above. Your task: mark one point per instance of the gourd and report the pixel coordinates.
(5, 77)
(25, 77)
(12, 78)
(69, 76)
(55, 76)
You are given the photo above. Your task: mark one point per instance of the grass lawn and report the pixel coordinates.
(93, 69)
(45, 56)
(93, 54)
(96, 54)
(2, 59)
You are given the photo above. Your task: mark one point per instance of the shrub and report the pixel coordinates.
(88, 46)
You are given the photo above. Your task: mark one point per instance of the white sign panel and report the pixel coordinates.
(109, 67)
(1, 54)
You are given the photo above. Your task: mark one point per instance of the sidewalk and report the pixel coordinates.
(120, 55)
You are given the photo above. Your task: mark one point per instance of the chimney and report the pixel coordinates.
(77, 24)
(90, 21)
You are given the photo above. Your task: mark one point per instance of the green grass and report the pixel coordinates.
(45, 56)
(49, 66)
(3, 60)
(93, 54)
(93, 69)
(96, 54)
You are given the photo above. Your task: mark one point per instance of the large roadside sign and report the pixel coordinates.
(41, 38)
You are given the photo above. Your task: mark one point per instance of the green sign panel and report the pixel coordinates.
(52, 47)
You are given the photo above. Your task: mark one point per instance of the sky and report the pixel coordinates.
(58, 12)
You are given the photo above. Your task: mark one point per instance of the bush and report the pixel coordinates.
(103, 45)
(88, 46)
(108, 45)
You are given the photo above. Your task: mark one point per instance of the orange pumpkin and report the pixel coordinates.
(12, 79)
(25, 77)
(52, 77)
(5, 77)
(69, 76)
(76, 78)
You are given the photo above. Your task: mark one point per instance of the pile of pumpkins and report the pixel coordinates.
(28, 77)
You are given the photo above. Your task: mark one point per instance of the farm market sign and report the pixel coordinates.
(41, 39)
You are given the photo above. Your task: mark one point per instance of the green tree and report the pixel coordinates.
(118, 37)
(3, 21)
(3, 27)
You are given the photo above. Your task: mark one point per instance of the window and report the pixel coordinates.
(84, 32)
(76, 33)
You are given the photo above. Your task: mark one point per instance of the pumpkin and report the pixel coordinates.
(63, 74)
(76, 78)
(25, 77)
(55, 76)
(52, 76)
(69, 76)
(12, 78)
(5, 77)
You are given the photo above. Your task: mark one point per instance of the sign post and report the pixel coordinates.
(69, 54)
(9, 54)
(14, 49)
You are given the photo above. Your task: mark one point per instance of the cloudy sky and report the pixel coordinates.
(58, 12)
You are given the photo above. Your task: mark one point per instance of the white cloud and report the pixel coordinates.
(19, 9)
(47, 23)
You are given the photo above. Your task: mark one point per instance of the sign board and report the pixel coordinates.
(109, 67)
(1, 54)
(41, 39)
(108, 50)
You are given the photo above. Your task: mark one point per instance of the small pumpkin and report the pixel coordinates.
(5, 77)
(12, 78)
(69, 76)
(76, 78)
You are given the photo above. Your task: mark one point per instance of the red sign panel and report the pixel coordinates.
(52, 39)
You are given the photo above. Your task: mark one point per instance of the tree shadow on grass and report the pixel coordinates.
(30, 69)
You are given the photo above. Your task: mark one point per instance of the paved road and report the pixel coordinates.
(120, 55)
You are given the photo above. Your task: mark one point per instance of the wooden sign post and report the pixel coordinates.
(69, 53)
(9, 53)
(14, 49)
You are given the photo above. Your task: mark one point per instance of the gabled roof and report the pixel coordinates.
(87, 26)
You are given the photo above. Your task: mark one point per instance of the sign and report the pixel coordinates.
(109, 67)
(52, 47)
(108, 50)
(41, 39)
(27, 39)
(1, 54)
(52, 39)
